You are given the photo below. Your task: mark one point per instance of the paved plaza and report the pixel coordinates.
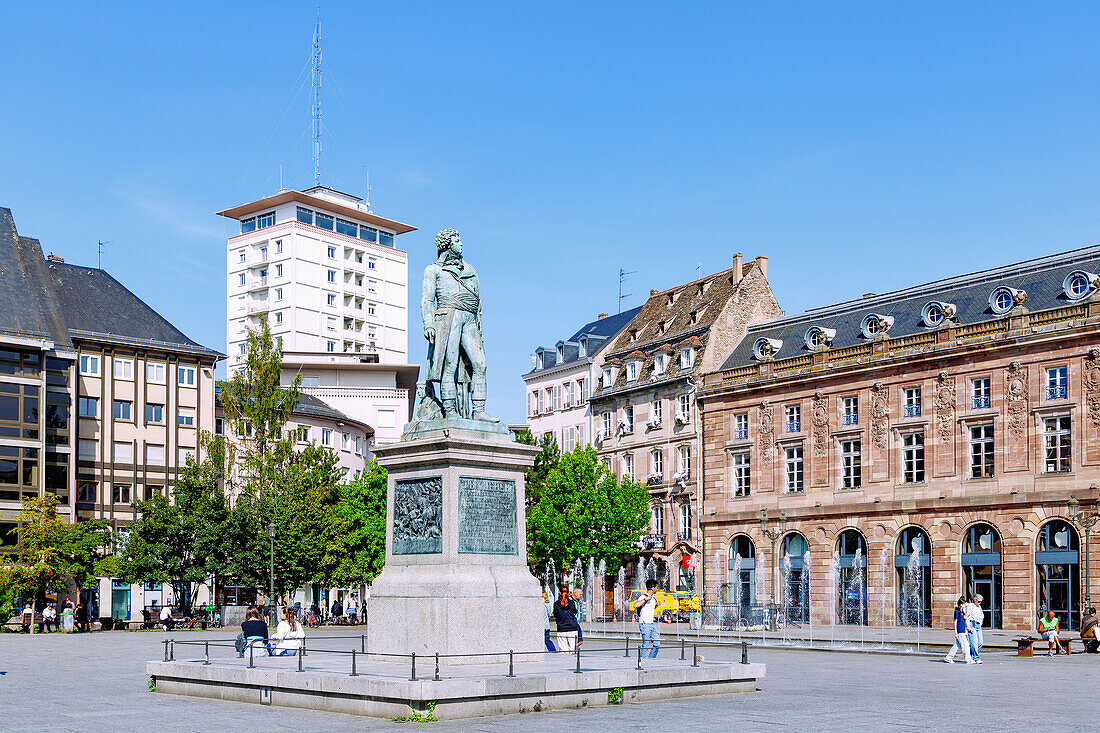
(97, 682)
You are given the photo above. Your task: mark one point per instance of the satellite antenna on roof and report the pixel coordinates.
(623, 274)
(317, 101)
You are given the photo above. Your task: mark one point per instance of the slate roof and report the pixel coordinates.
(28, 307)
(599, 332)
(1040, 278)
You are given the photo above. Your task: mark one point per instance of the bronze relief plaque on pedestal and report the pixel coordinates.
(418, 516)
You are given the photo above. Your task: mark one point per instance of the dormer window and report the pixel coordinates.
(608, 377)
(582, 347)
(540, 359)
(633, 368)
(1079, 284)
(633, 334)
(1004, 298)
(561, 352)
(687, 357)
(660, 362)
(818, 337)
(936, 312)
(671, 298)
(766, 348)
(661, 326)
(876, 324)
(694, 318)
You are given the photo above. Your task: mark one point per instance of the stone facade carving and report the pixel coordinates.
(945, 405)
(767, 425)
(418, 516)
(1092, 387)
(879, 423)
(1017, 395)
(820, 417)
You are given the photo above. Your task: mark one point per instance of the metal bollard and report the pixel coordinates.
(300, 655)
(744, 652)
(353, 672)
(206, 652)
(166, 650)
(436, 678)
(412, 678)
(626, 651)
(511, 668)
(683, 648)
(171, 650)
(578, 669)
(639, 657)
(251, 663)
(363, 643)
(694, 655)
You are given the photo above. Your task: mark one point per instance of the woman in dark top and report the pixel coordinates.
(565, 616)
(253, 627)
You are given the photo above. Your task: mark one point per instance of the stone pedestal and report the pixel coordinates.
(456, 578)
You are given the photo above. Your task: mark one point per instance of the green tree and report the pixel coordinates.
(54, 555)
(585, 511)
(545, 460)
(361, 516)
(184, 541)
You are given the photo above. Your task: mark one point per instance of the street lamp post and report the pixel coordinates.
(1086, 522)
(773, 535)
(271, 576)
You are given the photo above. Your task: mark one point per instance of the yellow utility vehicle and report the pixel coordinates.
(670, 606)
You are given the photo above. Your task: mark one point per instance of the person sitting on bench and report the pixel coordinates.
(1089, 627)
(1048, 629)
(252, 630)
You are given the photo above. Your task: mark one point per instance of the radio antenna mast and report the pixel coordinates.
(317, 101)
(623, 274)
(101, 245)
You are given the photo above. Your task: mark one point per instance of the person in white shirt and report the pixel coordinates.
(49, 618)
(351, 611)
(646, 606)
(975, 617)
(288, 636)
(166, 616)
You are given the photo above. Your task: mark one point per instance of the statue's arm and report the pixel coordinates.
(427, 302)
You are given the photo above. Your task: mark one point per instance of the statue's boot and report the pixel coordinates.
(450, 408)
(480, 414)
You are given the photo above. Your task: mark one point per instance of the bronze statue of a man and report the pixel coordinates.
(450, 305)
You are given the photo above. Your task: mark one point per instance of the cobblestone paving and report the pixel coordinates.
(97, 683)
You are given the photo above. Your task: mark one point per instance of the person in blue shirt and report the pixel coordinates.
(962, 638)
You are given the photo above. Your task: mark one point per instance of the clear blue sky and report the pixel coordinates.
(862, 147)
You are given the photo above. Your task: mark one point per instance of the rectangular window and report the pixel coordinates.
(331, 299)
(683, 409)
(582, 391)
(303, 433)
(850, 414)
(278, 318)
(186, 417)
(305, 215)
(568, 439)
(371, 264)
(1057, 442)
(912, 402)
(655, 412)
(358, 445)
(981, 451)
(607, 424)
(331, 253)
(154, 373)
(347, 228)
(278, 246)
(385, 239)
(122, 452)
(628, 466)
(154, 455)
(265, 220)
(580, 435)
(323, 220)
(326, 437)
(658, 515)
(151, 491)
(980, 398)
(657, 463)
(88, 406)
(278, 293)
(793, 469)
(122, 409)
(683, 462)
(741, 426)
(851, 466)
(607, 378)
(124, 369)
(87, 450)
(742, 477)
(240, 279)
(370, 309)
(632, 371)
(368, 234)
(567, 395)
(345, 440)
(557, 396)
(1057, 386)
(120, 494)
(86, 492)
(248, 225)
(628, 418)
(685, 522)
(185, 454)
(278, 270)
(154, 413)
(687, 358)
(89, 365)
(794, 418)
(330, 346)
(186, 376)
(912, 457)
(659, 362)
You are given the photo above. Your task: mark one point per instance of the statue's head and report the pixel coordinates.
(448, 240)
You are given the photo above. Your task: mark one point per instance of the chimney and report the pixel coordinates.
(55, 258)
(737, 267)
(868, 295)
(601, 316)
(653, 291)
(762, 262)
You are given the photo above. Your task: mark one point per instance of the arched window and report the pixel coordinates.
(981, 564)
(740, 588)
(794, 569)
(851, 578)
(1056, 567)
(913, 563)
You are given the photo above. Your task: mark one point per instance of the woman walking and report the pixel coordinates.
(962, 639)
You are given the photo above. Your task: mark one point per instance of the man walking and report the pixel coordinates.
(975, 617)
(646, 606)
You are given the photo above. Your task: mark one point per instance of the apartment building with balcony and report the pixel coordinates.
(646, 422)
(326, 273)
(561, 379)
(921, 445)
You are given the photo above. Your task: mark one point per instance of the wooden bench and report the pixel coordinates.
(1023, 645)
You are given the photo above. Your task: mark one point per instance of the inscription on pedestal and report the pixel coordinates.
(418, 516)
(487, 516)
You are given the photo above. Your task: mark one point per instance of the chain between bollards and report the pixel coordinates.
(251, 663)
(353, 672)
(206, 652)
(511, 667)
(436, 678)
(744, 652)
(412, 678)
(578, 669)
(694, 655)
